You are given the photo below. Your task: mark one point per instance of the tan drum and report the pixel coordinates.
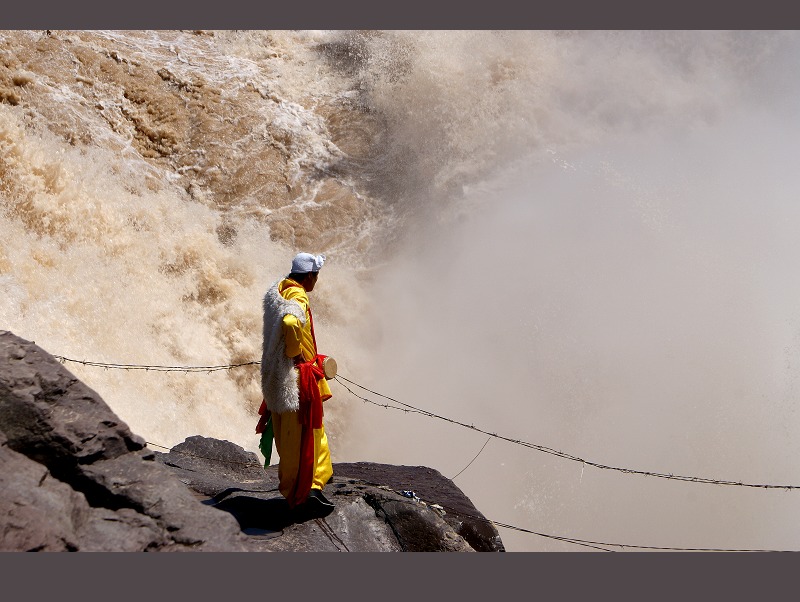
(329, 367)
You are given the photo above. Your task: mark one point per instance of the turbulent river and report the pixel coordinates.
(585, 241)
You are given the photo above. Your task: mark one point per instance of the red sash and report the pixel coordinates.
(265, 414)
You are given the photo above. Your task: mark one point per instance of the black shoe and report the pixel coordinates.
(315, 498)
(315, 506)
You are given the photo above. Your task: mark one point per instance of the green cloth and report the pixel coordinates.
(265, 445)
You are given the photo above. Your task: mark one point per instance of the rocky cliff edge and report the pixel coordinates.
(73, 477)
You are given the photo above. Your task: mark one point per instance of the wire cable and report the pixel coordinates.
(254, 464)
(473, 459)
(412, 409)
(548, 450)
(155, 368)
(600, 545)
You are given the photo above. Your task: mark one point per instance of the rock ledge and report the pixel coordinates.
(73, 477)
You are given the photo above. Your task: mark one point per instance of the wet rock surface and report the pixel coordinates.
(73, 477)
(371, 513)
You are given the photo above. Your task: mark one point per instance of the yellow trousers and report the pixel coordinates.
(287, 431)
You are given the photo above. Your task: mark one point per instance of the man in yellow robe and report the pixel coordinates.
(294, 388)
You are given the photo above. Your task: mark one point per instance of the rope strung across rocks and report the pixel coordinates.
(599, 545)
(473, 459)
(603, 546)
(153, 368)
(691, 479)
(254, 464)
(412, 409)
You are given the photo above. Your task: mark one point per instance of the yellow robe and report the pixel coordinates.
(286, 427)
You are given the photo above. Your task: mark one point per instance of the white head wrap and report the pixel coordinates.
(306, 262)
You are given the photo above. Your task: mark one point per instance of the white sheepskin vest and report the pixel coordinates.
(278, 376)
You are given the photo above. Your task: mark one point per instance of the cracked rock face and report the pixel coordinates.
(73, 477)
(371, 512)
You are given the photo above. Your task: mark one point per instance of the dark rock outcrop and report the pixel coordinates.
(372, 512)
(73, 477)
(429, 484)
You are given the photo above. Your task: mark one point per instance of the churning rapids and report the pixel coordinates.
(583, 240)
